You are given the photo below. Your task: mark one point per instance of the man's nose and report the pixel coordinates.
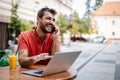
(52, 22)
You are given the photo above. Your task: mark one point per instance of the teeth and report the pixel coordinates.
(49, 28)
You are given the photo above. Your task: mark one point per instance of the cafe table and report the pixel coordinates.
(7, 74)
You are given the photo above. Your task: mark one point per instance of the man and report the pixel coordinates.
(38, 45)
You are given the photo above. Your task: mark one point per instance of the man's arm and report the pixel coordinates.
(23, 58)
(26, 61)
(56, 42)
(56, 45)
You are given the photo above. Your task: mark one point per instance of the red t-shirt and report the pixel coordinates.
(30, 41)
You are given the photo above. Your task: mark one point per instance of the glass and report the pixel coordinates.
(12, 61)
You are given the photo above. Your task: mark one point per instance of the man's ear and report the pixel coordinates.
(38, 18)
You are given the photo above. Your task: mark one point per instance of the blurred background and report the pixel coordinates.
(89, 21)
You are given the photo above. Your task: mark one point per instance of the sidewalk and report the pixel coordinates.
(99, 62)
(89, 51)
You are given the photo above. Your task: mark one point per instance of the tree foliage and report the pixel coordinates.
(72, 23)
(78, 26)
(75, 24)
(89, 9)
(63, 23)
(92, 7)
(25, 26)
(97, 4)
(15, 24)
(15, 21)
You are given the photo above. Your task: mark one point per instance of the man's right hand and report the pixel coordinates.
(42, 56)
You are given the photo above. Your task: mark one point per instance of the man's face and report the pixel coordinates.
(47, 22)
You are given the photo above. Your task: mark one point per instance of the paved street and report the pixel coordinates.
(97, 61)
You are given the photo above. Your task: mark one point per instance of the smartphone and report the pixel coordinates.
(53, 30)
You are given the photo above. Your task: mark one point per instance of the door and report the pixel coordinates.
(3, 35)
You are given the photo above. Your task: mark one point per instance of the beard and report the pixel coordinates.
(46, 29)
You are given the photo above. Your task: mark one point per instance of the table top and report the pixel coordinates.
(6, 74)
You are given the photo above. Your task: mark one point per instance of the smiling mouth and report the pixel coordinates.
(49, 28)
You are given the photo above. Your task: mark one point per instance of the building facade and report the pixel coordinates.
(107, 20)
(27, 12)
(28, 9)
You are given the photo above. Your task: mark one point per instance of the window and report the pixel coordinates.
(113, 22)
(20, 2)
(113, 33)
(36, 6)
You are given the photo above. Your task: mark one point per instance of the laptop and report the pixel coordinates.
(60, 62)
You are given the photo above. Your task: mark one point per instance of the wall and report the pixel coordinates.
(107, 25)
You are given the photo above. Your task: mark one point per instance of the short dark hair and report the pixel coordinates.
(42, 10)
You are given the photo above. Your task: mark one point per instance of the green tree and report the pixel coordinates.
(92, 7)
(25, 26)
(15, 21)
(83, 28)
(75, 24)
(87, 24)
(78, 26)
(97, 4)
(89, 9)
(15, 24)
(63, 24)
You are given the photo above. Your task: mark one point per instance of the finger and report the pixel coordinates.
(56, 30)
(49, 57)
(45, 54)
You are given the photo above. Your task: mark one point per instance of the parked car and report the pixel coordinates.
(78, 39)
(99, 39)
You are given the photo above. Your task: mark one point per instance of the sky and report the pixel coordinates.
(79, 6)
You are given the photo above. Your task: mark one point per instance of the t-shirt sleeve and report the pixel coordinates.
(22, 44)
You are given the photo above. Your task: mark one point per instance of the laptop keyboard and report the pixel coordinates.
(39, 71)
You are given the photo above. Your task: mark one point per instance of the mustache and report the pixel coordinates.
(50, 24)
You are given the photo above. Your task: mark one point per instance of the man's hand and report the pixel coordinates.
(56, 40)
(56, 34)
(42, 56)
(26, 61)
(57, 31)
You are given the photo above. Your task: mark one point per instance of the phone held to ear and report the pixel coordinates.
(53, 30)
